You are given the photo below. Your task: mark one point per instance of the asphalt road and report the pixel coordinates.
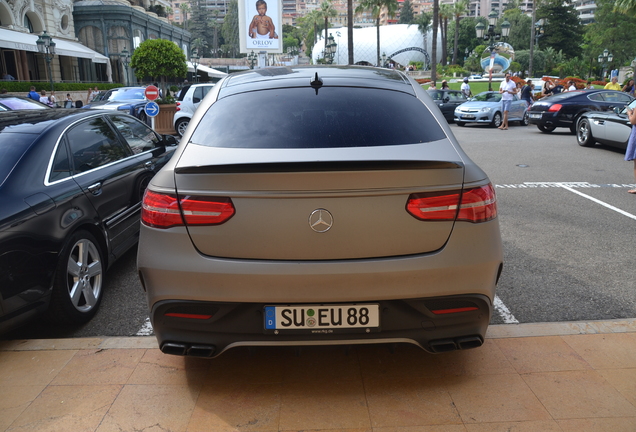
(567, 224)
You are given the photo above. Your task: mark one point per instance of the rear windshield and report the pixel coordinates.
(300, 118)
(12, 147)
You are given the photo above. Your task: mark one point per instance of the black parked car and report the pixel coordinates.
(447, 101)
(565, 109)
(71, 183)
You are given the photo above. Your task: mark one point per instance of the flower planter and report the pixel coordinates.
(163, 120)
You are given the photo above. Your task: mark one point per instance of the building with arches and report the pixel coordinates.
(89, 35)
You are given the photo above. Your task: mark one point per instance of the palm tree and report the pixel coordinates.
(376, 7)
(434, 48)
(169, 11)
(625, 6)
(423, 22)
(461, 7)
(445, 13)
(327, 11)
(185, 9)
(199, 45)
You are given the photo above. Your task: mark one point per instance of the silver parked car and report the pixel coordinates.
(611, 128)
(486, 107)
(319, 205)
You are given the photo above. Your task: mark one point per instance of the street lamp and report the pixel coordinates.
(538, 31)
(330, 49)
(46, 47)
(338, 46)
(125, 61)
(605, 59)
(194, 58)
(383, 59)
(252, 59)
(492, 37)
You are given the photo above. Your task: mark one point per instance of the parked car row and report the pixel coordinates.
(71, 184)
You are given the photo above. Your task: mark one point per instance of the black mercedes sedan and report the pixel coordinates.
(565, 109)
(71, 183)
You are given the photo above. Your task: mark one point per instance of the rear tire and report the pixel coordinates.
(181, 126)
(546, 129)
(526, 119)
(584, 133)
(78, 284)
(496, 120)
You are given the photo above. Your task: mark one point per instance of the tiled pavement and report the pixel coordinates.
(529, 377)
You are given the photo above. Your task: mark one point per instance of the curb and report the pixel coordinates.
(497, 331)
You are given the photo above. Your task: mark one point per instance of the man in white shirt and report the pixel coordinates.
(465, 88)
(507, 88)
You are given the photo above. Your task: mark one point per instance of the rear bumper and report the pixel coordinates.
(242, 324)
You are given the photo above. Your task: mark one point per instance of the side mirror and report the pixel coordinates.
(169, 140)
(196, 100)
(446, 99)
(617, 110)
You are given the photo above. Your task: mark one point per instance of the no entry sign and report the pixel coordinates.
(152, 92)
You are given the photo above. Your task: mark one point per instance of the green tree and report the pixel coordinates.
(327, 10)
(406, 13)
(445, 13)
(159, 59)
(199, 25)
(523, 58)
(198, 46)
(520, 29)
(563, 31)
(376, 7)
(608, 32)
(185, 10)
(460, 8)
(625, 6)
(230, 29)
(423, 22)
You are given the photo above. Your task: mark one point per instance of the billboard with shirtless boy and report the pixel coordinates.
(261, 25)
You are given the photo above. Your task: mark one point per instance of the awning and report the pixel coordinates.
(26, 42)
(213, 73)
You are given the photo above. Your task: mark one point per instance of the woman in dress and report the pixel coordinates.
(630, 153)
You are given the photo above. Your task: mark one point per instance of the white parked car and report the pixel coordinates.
(187, 102)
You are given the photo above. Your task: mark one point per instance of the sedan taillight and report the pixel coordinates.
(167, 210)
(555, 108)
(472, 205)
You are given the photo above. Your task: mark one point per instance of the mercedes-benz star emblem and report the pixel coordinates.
(320, 220)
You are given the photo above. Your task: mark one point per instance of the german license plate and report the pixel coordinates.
(535, 116)
(322, 318)
(468, 116)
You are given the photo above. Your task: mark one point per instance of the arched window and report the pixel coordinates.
(28, 24)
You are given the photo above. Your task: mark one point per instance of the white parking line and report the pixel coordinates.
(604, 204)
(504, 312)
(146, 329)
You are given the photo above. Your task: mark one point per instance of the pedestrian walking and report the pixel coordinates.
(508, 89)
(630, 153)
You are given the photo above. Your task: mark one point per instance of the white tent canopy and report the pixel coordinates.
(212, 73)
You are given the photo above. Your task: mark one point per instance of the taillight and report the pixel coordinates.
(167, 210)
(477, 205)
(178, 107)
(555, 108)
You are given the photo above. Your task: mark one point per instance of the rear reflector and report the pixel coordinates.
(472, 205)
(186, 315)
(455, 310)
(167, 210)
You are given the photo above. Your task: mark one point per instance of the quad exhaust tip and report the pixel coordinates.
(188, 350)
(447, 345)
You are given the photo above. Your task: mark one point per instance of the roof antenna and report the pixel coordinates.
(316, 83)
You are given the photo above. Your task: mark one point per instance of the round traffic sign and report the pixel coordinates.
(152, 109)
(152, 92)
